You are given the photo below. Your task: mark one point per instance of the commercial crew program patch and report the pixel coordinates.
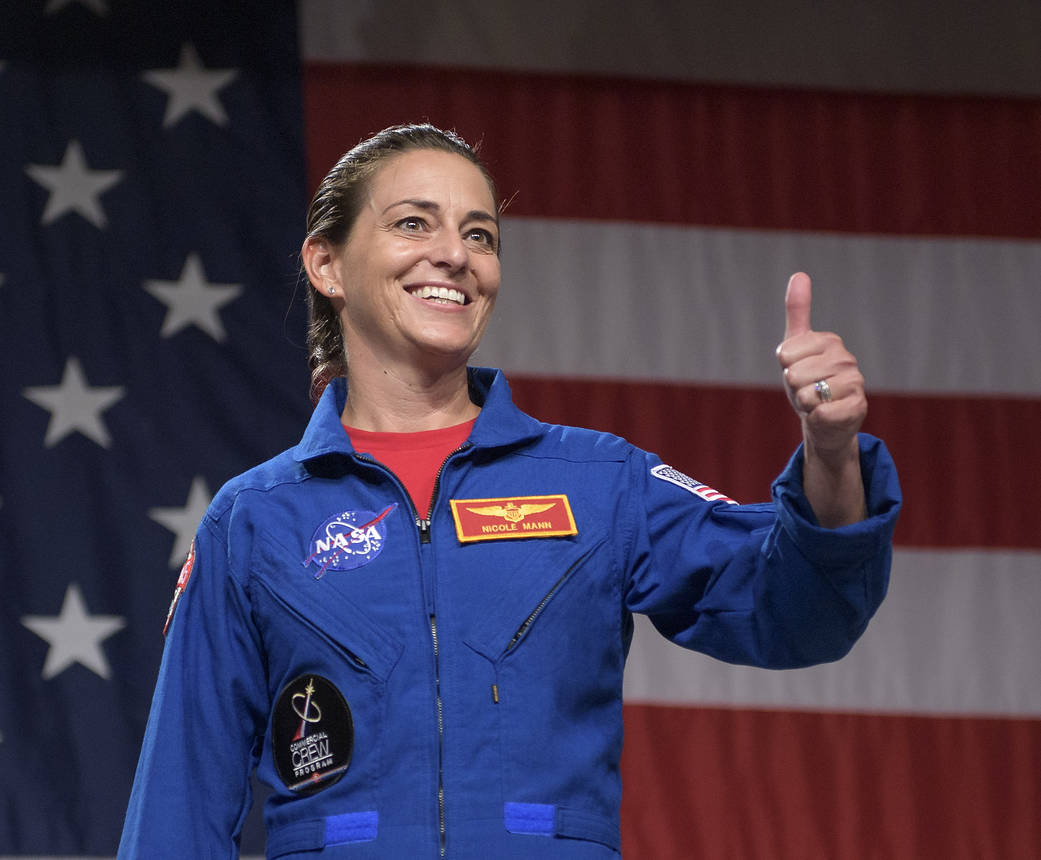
(675, 476)
(348, 540)
(312, 734)
(513, 517)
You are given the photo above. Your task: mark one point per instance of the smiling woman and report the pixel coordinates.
(343, 194)
(412, 625)
(413, 285)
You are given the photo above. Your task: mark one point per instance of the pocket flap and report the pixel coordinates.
(339, 619)
(526, 589)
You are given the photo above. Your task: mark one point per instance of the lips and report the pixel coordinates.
(439, 295)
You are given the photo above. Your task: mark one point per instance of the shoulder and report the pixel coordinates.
(581, 444)
(254, 486)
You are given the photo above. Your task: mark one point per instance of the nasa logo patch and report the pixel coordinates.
(312, 734)
(675, 476)
(348, 540)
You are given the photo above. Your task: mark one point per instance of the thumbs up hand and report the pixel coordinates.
(826, 388)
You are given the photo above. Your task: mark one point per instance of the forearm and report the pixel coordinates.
(834, 485)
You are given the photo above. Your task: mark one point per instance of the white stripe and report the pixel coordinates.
(902, 46)
(695, 304)
(959, 634)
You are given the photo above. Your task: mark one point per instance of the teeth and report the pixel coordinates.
(442, 295)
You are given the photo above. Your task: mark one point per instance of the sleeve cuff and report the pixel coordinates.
(850, 544)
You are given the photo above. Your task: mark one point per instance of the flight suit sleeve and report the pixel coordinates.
(759, 584)
(192, 787)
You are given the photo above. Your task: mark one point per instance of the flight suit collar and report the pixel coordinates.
(500, 423)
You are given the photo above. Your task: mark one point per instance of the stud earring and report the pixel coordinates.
(332, 290)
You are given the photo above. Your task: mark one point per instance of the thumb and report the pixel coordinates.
(797, 305)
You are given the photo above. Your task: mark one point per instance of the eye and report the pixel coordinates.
(411, 224)
(480, 236)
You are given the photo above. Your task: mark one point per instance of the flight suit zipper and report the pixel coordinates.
(424, 538)
(440, 742)
(423, 527)
(538, 609)
(526, 624)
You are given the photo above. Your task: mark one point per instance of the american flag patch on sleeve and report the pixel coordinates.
(675, 476)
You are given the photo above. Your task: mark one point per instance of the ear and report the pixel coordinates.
(320, 262)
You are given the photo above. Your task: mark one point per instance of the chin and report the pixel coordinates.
(447, 345)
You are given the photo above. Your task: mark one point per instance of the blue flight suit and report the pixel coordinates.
(480, 679)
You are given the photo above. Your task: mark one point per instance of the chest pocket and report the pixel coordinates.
(554, 640)
(545, 576)
(337, 619)
(309, 628)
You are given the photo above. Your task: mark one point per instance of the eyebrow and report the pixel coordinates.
(431, 206)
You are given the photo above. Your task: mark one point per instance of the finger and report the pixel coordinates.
(832, 424)
(848, 384)
(815, 356)
(813, 343)
(810, 397)
(797, 305)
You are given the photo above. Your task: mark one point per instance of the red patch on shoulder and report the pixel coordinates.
(182, 584)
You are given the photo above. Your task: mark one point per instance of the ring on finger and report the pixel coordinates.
(823, 390)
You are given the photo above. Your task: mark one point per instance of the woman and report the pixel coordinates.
(413, 624)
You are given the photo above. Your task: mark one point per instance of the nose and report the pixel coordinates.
(449, 251)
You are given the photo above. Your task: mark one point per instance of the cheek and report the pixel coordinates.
(368, 277)
(489, 273)
(383, 257)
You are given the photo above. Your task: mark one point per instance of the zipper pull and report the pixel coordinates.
(424, 530)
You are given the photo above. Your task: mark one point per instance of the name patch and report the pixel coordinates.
(512, 517)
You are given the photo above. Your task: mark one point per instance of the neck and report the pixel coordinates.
(397, 399)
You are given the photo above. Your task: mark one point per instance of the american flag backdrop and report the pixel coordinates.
(668, 165)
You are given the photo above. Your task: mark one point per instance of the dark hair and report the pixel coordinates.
(332, 213)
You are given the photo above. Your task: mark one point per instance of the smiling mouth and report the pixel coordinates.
(440, 295)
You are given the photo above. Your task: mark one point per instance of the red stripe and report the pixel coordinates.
(968, 466)
(599, 147)
(777, 785)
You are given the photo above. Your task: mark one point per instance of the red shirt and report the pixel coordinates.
(415, 458)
